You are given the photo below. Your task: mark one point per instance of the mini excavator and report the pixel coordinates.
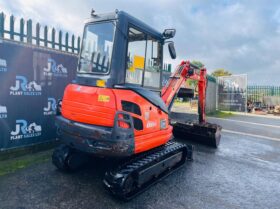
(117, 107)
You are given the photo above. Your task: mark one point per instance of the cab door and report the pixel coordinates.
(144, 60)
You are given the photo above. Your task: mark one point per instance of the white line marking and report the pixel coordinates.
(240, 121)
(253, 135)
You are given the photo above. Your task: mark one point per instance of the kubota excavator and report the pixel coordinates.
(117, 107)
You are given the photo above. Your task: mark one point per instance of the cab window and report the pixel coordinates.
(135, 56)
(152, 64)
(96, 52)
(144, 58)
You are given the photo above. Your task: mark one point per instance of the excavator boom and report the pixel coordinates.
(183, 72)
(200, 131)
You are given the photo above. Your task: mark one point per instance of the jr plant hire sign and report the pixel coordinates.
(232, 93)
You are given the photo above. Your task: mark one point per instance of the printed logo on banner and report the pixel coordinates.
(55, 70)
(50, 109)
(23, 130)
(3, 65)
(230, 85)
(3, 112)
(22, 87)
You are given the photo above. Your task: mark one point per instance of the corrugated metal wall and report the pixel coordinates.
(211, 96)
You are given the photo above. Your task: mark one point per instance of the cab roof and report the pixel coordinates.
(127, 18)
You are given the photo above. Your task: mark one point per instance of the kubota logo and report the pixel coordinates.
(23, 130)
(22, 87)
(3, 112)
(50, 109)
(151, 124)
(3, 65)
(55, 70)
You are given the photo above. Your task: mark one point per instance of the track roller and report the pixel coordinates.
(136, 175)
(204, 133)
(67, 159)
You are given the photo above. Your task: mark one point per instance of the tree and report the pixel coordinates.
(197, 63)
(221, 72)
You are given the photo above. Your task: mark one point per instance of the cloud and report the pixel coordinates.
(240, 36)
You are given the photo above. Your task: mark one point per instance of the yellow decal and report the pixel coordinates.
(103, 98)
(138, 62)
(100, 83)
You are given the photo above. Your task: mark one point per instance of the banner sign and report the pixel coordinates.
(232, 93)
(32, 79)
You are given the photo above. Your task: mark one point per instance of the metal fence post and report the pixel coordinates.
(12, 27)
(60, 40)
(73, 44)
(66, 41)
(79, 42)
(38, 34)
(29, 31)
(46, 36)
(21, 29)
(53, 38)
(2, 23)
(169, 68)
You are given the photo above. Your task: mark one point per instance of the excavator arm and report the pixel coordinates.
(185, 71)
(200, 131)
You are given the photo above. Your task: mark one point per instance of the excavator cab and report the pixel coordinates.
(118, 49)
(115, 105)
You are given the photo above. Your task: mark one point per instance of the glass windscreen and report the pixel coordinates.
(96, 52)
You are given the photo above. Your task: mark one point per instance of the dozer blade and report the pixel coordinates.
(138, 174)
(204, 133)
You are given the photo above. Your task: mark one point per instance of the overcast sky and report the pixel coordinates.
(239, 36)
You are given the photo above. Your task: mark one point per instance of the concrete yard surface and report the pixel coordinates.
(244, 172)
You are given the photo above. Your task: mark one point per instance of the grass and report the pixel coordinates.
(13, 165)
(187, 105)
(178, 103)
(220, 114)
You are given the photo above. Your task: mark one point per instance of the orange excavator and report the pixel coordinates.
(117, 106)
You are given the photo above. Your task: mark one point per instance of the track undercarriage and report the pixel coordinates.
(138, 174)
(135, 174)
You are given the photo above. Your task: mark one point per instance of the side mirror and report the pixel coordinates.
(172, 50)
(169, 33)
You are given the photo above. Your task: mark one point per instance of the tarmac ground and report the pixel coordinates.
(244, 172)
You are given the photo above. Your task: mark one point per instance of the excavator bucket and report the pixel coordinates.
(204, 133)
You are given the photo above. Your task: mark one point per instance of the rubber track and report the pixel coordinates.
(141, 162)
